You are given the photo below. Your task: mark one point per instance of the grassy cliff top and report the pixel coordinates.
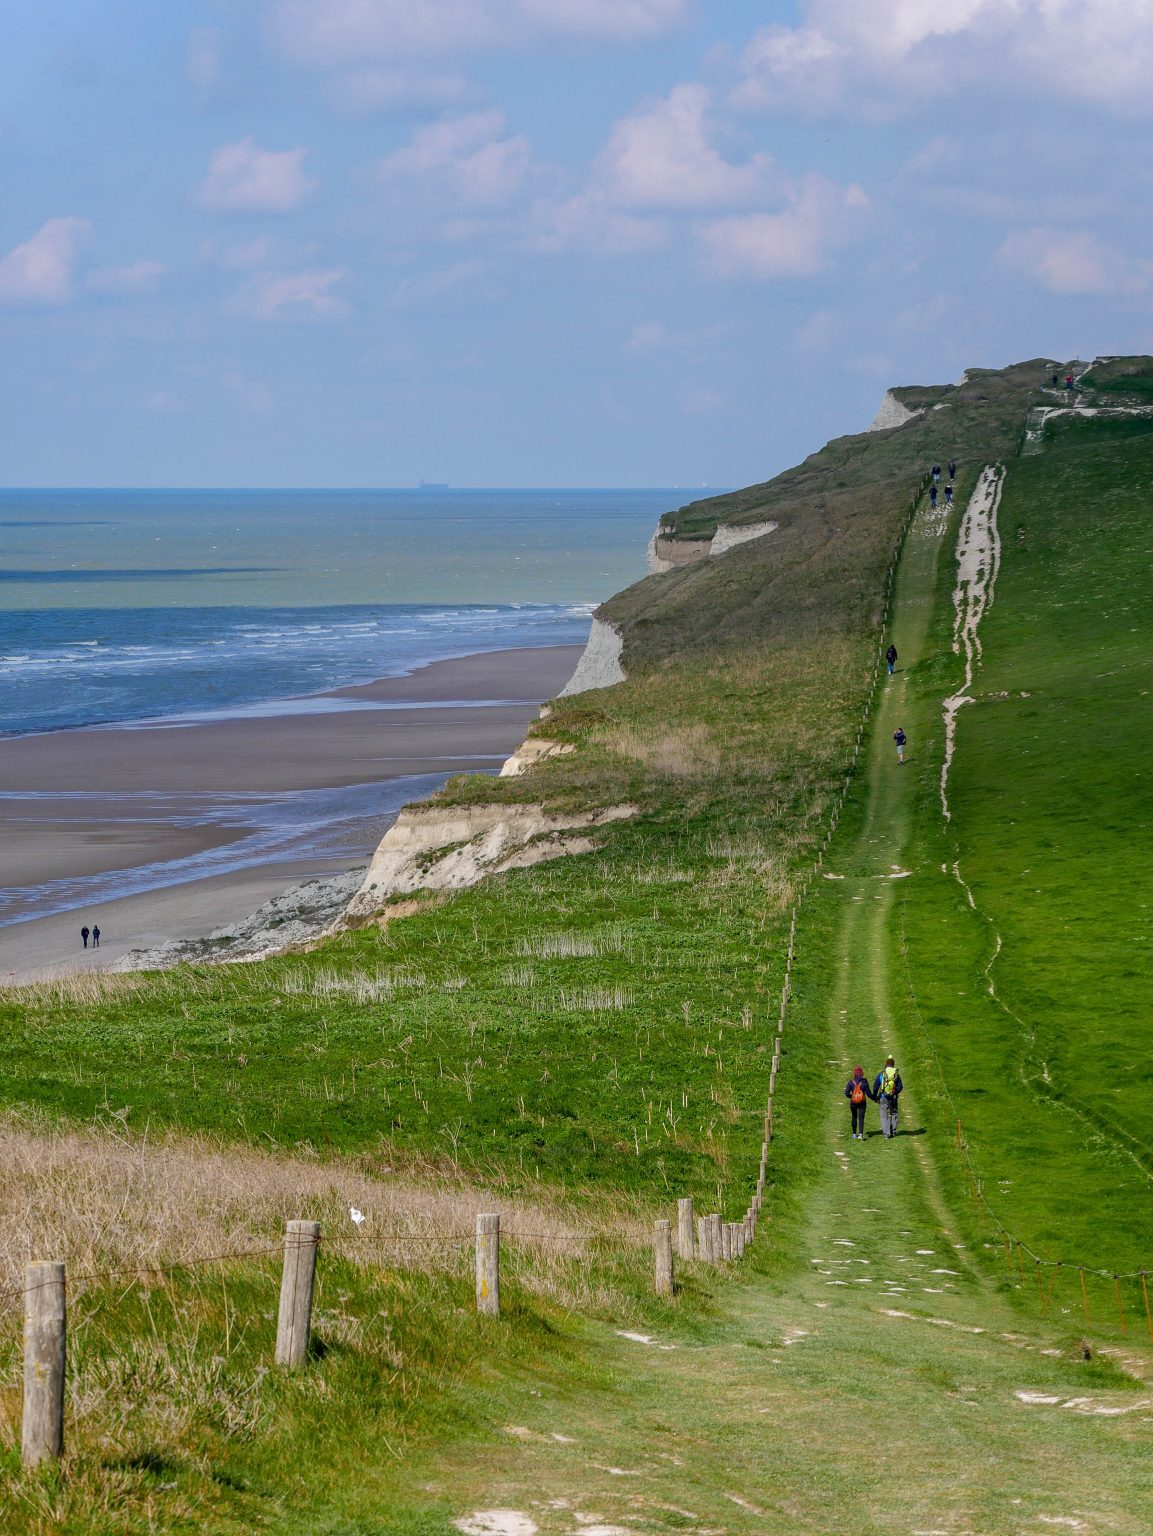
(834, 517)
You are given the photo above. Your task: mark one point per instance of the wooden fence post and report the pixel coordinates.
(726, 1240)
(717, 1239)
(296, 1283)
(663, 1254)
(685, 1227)
(705, 1239)
(488, 1264)
(45, 1350)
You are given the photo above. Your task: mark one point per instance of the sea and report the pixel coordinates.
(121, 606)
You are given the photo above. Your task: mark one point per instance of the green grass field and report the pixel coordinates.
(580, 1043)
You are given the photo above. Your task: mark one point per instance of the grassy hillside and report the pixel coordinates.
(1051, 805)
(578, 1043)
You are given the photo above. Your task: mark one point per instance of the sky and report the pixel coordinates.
(546, 242)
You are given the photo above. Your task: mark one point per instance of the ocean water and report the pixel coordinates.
(123, 606)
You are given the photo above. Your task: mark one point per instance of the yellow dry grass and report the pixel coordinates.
(108, 1202)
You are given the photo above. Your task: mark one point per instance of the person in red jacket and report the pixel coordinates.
(858, 1093)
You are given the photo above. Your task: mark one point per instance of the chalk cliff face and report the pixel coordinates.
(434, 848)
(892, 413)
(600, 666)
(669, 554)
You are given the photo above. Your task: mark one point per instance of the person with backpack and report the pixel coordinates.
(887, 1091)
(891, 658)
(858, 1093)
(900, 738)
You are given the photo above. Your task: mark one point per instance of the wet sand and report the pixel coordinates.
(168, 801)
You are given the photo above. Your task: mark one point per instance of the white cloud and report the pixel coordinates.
(202, 60)
(1092, 50)
(364, 92)
(796, 242)
(588, 220)
(471, 153)
(303, 295)
(660, 157)
(41, 270)
(134, 278)
(323, 33)
(244, 177)
(1076, 262)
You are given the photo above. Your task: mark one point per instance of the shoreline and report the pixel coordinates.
(168, 829)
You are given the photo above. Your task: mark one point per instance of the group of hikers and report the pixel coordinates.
(935, 480)
(885, 1092)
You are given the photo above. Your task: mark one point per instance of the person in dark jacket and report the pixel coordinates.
(95, 936)
(858, 1093)
(902, 741)
(84, 935)
(887, 1091)
(952, 469)
(891, 658)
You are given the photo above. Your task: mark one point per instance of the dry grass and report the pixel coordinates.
(609, 940)
(360, 986)
(682, 752)
(105, 1201)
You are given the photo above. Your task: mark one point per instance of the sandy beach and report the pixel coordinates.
(168, 829)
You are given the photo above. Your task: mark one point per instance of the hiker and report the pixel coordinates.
(952, 469)
(936, 472)
(900, 738)
(858, 1093)
(891, 658)
(948, 495)
(887, 1091)
(1068, 381)
(95, 937)
(933, 497)
(1056, 380)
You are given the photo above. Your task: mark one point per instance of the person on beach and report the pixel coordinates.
(891, 658)
(95, 936)
(84, 935)
(900, 738)
(858, 1093)
(887, 1091)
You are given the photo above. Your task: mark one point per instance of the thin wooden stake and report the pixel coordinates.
(45, 1358)
(685, 1228)
(1148, 1314)
(488, 1263)
(1084, 1296)
(297, 1280)
(663, 1256)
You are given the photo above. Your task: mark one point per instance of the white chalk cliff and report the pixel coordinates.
(438, 848)
(600, 665)
(891, 414)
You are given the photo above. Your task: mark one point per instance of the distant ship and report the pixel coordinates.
(433, 485)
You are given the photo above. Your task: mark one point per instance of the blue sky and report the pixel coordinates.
(546, 242)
